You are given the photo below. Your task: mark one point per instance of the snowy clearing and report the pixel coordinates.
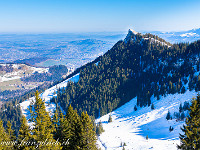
(132, 127)
(129, 126)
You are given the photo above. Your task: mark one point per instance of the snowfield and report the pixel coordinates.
(46, 96)
(132, 127)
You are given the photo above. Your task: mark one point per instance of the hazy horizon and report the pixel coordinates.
(92, 32)
(64, 16)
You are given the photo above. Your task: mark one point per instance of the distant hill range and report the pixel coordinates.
(183, 36)
(72, 50)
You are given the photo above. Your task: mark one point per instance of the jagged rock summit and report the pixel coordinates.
(132, 31)
(130, 36)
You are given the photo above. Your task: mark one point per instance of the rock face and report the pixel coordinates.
(130, 36)
(132, 31)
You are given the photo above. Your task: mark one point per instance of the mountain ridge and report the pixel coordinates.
(139, 63)
(137, 69)
(148, 50)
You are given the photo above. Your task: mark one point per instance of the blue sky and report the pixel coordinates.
(98, 15)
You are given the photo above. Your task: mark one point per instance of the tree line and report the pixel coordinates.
(139, 68)
(71, 131)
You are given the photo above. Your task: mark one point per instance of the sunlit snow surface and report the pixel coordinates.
(132, 127)
(46, 96)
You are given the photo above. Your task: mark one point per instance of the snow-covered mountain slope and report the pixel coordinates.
(183, 36)
(132, 127)
(132, 36)
(46, 96)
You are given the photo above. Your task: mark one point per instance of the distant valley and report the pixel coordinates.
(139, 92)
(17, 79)
(72, 50)
(140, 81)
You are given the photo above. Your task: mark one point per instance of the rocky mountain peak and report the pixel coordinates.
(130, 36)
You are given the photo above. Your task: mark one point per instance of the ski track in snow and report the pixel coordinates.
(132, 127)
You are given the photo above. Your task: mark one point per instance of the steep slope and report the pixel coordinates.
(140, 65)
(144, 69)
(132, 127)
(46, 96)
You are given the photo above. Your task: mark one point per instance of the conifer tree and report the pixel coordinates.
(56, 123)
(186, 106)
(147, 137)
(88, 137)
(183, 90)
(180, 108)
(65, 133)
(171, 128)
(182, 116)
(152, 106)
(72, 129)
(3, 137)
(60, 134)
(99, 128)
(24, 135)
(168, 115)
(43, 128)
(10, 132)
(135, 108)
(191, 138)
(110, 118)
